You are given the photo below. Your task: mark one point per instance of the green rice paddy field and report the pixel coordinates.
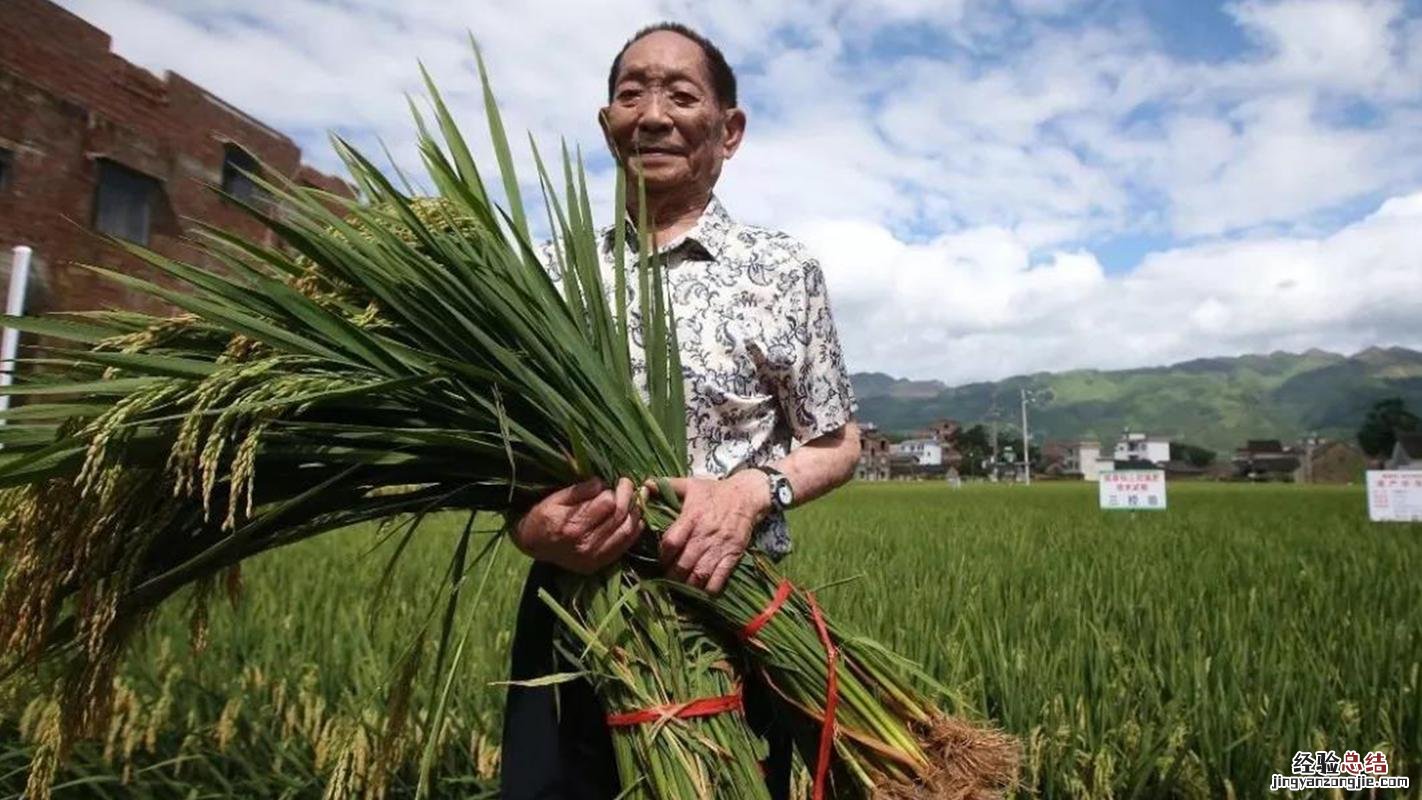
(1187, 653)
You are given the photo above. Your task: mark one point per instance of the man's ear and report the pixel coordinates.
(735, 123)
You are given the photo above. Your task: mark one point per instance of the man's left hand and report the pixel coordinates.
(706, 542)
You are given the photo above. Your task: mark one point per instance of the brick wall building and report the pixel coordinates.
(874, 452)
(89, 141)
(1332, 462)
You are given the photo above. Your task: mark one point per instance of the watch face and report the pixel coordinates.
(784, 494)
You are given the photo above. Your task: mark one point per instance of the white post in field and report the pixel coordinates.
(1026, 443)
(14, 306)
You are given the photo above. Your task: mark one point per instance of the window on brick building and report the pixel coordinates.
(124, 202)
(7, 161)
(238, 166)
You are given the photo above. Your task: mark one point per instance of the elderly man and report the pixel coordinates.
(763, 371)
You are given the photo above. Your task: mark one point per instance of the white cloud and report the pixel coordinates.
(952, 186)
(1048, 8)
(972, 306)
(1269, 160)
(1338, 43)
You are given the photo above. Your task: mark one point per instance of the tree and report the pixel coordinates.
(1194, 455)
(1384, 421)
(976, 446)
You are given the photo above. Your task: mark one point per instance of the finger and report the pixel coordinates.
(722, 573)
(608, 524)
(624, 494)
(674, 538)
(612, 548)
(612, 526)
(590, 514)
(691, 556)
(577, 493)
(678, 486)
(705, 566)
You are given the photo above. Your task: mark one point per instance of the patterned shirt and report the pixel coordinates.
(761, 360)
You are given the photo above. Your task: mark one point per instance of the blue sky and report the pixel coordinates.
(1198, 31)
(993, 186)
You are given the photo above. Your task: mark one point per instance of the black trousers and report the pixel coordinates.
(556, 744)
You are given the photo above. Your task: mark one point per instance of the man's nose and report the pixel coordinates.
(654, 113)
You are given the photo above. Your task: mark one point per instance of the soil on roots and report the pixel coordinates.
(969, 762)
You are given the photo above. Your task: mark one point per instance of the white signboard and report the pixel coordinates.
(1395, 495)
(1133, 490)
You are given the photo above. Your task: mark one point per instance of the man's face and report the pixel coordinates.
(665, 120)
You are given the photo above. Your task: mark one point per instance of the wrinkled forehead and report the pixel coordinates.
(664, 56)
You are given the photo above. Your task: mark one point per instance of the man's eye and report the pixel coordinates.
(628, 95)
(684, 99)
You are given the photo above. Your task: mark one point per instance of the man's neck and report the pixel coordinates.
(670, 217)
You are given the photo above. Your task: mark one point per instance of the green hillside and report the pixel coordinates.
(1214, 402)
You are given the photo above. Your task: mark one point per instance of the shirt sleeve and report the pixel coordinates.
(547, 255)
(815, 391)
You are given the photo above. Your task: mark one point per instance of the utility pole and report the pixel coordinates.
(1309, 443)
(1026, 443)
(993, 414)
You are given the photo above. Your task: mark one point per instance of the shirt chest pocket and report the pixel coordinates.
(753, 357)
(727, 426)
(728, 364)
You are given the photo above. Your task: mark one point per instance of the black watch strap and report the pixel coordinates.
(782, 494)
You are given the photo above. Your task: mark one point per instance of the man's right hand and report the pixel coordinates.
(583, 527)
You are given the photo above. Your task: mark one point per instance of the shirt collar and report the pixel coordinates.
(709, 235)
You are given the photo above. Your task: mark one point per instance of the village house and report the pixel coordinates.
(905, 467)
(91, 144)
(1266, 460)
(925, 452)
(1179, 469)
(1082, 458)
(1407, 452)
(1137, 447)
(874, 452)
(1008, 467)
(929, 453)
(1134, 450)
(945, 431)
(1332, 462)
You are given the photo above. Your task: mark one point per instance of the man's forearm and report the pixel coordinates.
(814, 468)
(822, 464)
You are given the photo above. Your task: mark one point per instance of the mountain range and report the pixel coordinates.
(1216, 403)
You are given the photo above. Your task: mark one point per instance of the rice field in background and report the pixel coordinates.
(1188, 653)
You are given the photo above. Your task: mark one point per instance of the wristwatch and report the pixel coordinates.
(782, 495)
